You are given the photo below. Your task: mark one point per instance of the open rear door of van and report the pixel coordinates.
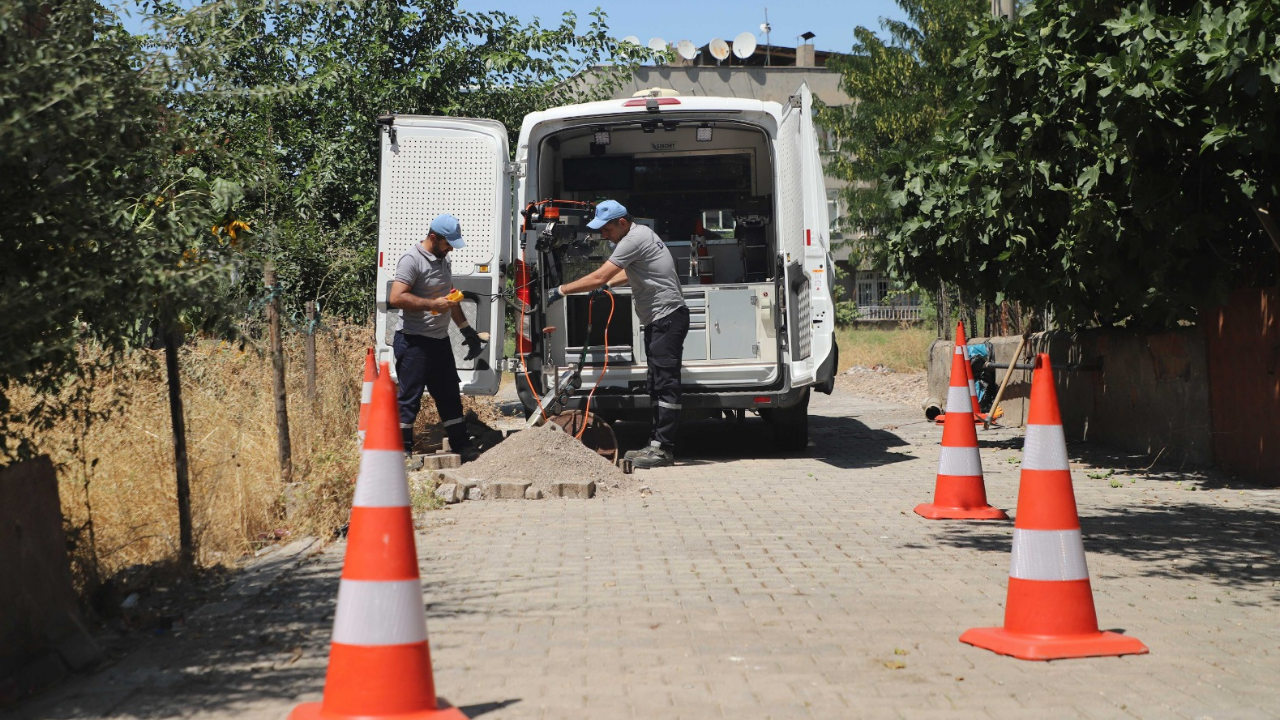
(794, 133)
(434, 165)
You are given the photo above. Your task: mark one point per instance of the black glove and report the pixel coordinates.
(554, 295)
(471, 338)
(602, 290)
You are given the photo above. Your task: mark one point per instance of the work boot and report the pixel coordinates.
(469, 454)
(651, 457)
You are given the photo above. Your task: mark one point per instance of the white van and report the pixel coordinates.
(735, 189)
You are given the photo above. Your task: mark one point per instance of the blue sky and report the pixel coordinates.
(832, 21)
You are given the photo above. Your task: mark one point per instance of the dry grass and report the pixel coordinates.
(902, 349)
(116, 478)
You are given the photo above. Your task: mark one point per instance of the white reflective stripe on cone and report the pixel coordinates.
(381, 482)
(960, 461)
(1048, 555)
(1045, 448)
(960, 350)
(366, 394)
(958, 400)
(973, 388)
(383, 612)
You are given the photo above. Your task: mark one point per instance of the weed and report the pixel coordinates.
(902, 349)
(116, 477)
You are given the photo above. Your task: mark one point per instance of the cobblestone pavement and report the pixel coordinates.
(751, 585)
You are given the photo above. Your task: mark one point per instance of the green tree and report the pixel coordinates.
(293, 101)
(902, 89)
(104, 232)
(1110, 162)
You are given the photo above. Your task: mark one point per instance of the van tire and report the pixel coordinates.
(791, 426)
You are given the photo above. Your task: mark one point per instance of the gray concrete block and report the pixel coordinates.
(441, 461)
(475, 493)
(506, 490)
(574, 490)
(450, 493)
(532, 493)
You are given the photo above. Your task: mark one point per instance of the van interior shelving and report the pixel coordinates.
(711, 203)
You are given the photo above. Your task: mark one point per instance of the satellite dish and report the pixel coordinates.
(686, 49)
(632, 39)
(657, 44)
(719, 49)
(744, 46)
(765, 27)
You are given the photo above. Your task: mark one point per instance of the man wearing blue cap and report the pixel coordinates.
(424, 356)
(642, 260)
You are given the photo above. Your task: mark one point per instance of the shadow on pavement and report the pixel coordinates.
(473, 711)
(838, 441)
(269, 655)
(1226, 546)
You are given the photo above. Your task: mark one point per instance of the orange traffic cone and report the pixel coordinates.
(959, 493)
(1049, 611)
(978, 416)
(366, 393)
(379, 661)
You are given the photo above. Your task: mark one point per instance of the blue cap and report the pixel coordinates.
(446, 226)
(606, 211)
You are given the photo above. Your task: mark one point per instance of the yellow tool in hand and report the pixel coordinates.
(455, 295)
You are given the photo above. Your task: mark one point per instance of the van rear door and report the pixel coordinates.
(793, 136)
(434, 165)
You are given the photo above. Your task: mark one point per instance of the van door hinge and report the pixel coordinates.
(515, 169)
(796, 101)
(755, 300)
(755, 350)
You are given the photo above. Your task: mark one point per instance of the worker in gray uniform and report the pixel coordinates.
(420, 289)
(641, 260)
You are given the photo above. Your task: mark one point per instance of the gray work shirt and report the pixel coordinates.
(651, 272)
(427, 276)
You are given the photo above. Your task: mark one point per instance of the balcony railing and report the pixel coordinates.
(888, 313)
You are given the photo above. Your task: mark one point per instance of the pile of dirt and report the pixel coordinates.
(903, 388)
(547, 455)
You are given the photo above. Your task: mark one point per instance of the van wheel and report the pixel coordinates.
(791, 426)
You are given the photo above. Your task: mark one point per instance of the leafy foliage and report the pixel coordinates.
(1109, 162)
(103, 230)
(903, 89)
(293, 103)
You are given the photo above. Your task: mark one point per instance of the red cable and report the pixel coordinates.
(586, 417)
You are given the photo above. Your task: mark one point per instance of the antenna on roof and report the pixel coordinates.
(765, 27)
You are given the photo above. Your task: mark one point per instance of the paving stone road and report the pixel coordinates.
(751, 585)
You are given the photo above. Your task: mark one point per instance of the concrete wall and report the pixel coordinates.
(41, 635)
(1147, 394)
